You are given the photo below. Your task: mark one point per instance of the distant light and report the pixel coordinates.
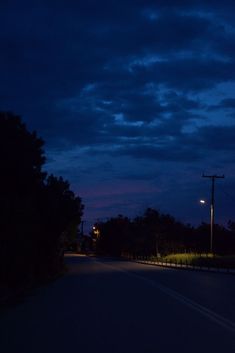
(202, 202)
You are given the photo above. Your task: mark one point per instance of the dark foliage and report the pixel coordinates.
(157, 233)
(37, 211)
(115, 236)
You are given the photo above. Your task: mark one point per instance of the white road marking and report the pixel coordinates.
(220, 320)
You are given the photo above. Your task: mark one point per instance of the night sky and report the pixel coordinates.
(135, 99)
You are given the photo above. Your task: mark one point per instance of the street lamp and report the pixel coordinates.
(96, 231)
(204, 202)
(212, 208)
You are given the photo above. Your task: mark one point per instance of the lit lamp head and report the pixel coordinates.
(203, 202)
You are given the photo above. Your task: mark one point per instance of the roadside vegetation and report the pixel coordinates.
(155, 234)
(202, 260)
(39, 214)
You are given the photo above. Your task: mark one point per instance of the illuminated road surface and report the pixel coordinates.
(111, 306)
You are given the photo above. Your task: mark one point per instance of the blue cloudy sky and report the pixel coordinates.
(135, 99)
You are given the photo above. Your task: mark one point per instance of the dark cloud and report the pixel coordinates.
(214, 138)
(171, 153)
(206, 141)
(179, 102)
(199, 74)
(228, 103)
(143, 81)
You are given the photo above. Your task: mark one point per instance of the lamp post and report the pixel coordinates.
(96, 231)
(203, 202)
(212, 217)
(212, 208)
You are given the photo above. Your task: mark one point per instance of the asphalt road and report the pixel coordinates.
(111, 306)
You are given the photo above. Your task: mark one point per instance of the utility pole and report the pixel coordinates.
(212, 207)
(82, 224)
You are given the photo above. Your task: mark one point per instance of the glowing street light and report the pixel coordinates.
(203, 202)
(96, 232)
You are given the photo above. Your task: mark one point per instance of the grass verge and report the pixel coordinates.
(204, 260)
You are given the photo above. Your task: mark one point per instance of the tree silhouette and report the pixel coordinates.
(115, 235)
(157, 233)
(36, 210)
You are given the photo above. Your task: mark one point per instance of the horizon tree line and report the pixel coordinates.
(158, 234)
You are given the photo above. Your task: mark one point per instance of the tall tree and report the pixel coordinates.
(36, 211)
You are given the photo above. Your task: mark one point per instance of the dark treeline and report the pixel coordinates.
(157, 233)
(38, 212)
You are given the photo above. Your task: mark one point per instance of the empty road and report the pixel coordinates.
(110, 306)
